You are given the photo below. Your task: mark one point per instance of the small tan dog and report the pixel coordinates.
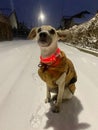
(55, 68)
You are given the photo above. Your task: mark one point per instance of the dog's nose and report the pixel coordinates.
(43, 34)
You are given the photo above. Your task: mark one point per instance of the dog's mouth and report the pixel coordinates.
(43, 42)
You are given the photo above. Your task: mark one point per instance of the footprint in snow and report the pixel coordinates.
(37, 118)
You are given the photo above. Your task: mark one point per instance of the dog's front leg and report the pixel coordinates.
(61, 86)
(48, 95)
(56, 108)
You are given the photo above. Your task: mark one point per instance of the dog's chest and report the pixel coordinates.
(49, 76)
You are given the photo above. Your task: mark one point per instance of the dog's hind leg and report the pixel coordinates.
(72, 88)
(69, 91)
(67, 94)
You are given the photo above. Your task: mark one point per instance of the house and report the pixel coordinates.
(5, 28)
(10, 27)
(69, 21)
(13, 20)
(19, 29)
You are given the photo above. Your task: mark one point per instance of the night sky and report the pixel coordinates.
(28, 10)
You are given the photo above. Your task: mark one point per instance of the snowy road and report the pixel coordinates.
(22, 92)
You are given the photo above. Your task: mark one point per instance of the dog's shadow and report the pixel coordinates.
(67, 119)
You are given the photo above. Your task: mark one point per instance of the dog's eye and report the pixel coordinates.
(52, 31)
(39, 30)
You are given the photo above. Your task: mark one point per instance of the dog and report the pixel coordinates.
(55, 68)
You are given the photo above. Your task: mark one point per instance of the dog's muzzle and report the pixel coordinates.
(44, 39)
(43, 35)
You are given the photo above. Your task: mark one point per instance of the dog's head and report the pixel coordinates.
(46, 35)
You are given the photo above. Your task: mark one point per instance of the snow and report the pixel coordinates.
(22, 92)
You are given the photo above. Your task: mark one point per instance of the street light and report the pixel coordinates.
(41, 17)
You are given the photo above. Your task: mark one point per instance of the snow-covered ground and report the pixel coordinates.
(22, 92)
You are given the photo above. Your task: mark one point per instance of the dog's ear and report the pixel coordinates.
(61, 34)
(32, 33)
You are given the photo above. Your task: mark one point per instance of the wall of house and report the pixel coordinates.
(5, 32)
(5, 28)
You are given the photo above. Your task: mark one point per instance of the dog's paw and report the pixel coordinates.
(56, 109)
(47, 100)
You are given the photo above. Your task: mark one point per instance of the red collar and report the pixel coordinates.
(51, 59)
